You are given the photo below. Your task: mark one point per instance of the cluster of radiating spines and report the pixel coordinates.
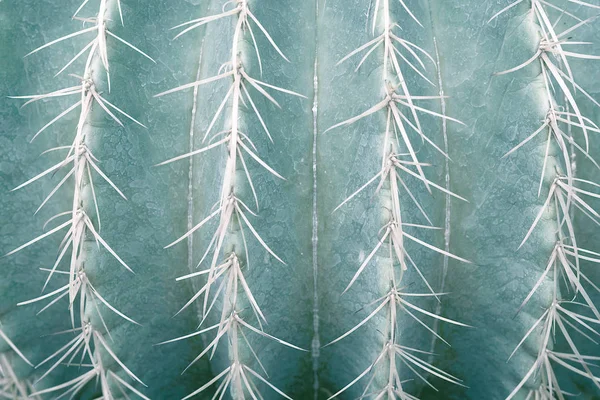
(224, 278)
(399, 163)
(11, 386)
(84, 350)
(570, 315)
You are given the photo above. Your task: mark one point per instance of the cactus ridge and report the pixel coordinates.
(89, 343)
(399, 161)
(226, 270)
(566, 194)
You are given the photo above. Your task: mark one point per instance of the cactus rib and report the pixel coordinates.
(89, 342)
(564, 197)
(395, 167)
(231, 210)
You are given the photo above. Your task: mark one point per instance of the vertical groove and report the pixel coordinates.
(316, 343)
(447, 207)
(190, 211)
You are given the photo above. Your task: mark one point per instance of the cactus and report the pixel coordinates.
(315, 199)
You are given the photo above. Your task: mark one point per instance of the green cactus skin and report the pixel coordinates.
(355, 175)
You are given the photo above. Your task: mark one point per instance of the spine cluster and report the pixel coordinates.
(11, 387)
(88, 350)
(399, 164)
(224, 278)
(571, 314)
